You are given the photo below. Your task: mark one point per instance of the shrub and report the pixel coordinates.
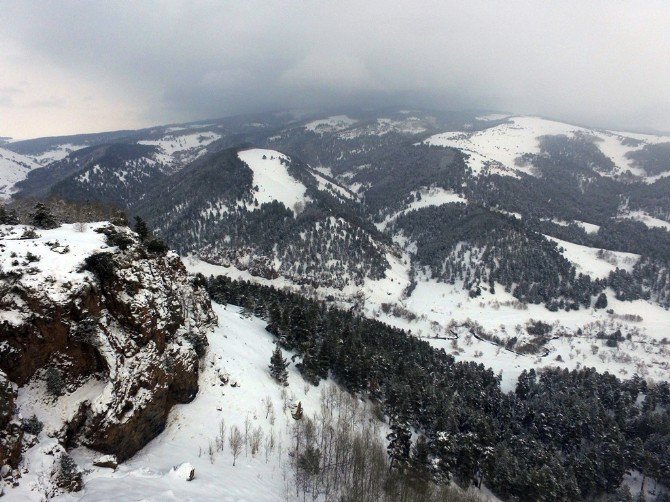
(32, 425)
(55, 382)
(101, 265)
(67, 475)
(157, 246)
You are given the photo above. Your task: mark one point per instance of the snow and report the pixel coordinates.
(499, 147)
(332, 187)
(502, 144)
(589, 228)
(647, 219)
(330, 124)
(382, 126)
(272, 177)
(438, 306)
(59, 252)
(57, 153)
(586, 259)
(13, 168)
(491, 117)
(175, 146)
(430, 196)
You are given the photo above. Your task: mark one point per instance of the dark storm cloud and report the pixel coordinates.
(601, 63)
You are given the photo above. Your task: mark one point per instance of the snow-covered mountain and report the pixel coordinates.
(505, 148)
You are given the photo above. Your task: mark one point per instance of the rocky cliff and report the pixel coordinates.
(93, 302)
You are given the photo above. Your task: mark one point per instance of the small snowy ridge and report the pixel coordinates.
(330, 124)
(331, 187)
(173, 145)
(57, 153)
(13, 168)
(647, 219)
(594, 262)
(491, 117)
(272, 177)
(499, 147)
(430, 196)
(589, 228)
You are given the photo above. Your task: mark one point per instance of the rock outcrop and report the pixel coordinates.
(106, 308)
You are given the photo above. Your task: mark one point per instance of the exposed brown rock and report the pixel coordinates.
(135, 322)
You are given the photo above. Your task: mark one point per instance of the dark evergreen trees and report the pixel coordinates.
(278, 367)
(400, 443)
(141, 228)
(601, 302)
(42, 217)
(562, 435)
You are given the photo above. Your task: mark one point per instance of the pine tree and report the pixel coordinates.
(278, 367)
(141, 228)
(41, 217)
(400, 443)
(601, 302)
(8, 217)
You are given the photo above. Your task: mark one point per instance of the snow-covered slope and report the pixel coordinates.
(272, 180)
(13, 168)
(181, 147)
(58, 152)
(498, 148)
(596, 263)
(330, 124)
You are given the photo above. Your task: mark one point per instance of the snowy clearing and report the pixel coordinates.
(272, 177)
(594, 262)
(330, 124)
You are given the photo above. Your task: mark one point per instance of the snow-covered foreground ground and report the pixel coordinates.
(239, 351)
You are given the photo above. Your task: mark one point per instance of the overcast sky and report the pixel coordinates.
(68, 67)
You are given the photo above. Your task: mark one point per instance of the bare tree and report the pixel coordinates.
(235, 441)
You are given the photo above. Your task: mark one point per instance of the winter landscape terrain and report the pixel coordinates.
(515, 268)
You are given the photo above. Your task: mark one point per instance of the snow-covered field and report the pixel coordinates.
(57, 153)
(435, 308)
(647, 219)
(594, 262)
(425, 197)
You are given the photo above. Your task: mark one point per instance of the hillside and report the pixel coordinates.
(509, 220)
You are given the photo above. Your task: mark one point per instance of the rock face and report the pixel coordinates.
(130, 317)
(10, 431)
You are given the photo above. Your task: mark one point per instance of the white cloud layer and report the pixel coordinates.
(73, 67)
